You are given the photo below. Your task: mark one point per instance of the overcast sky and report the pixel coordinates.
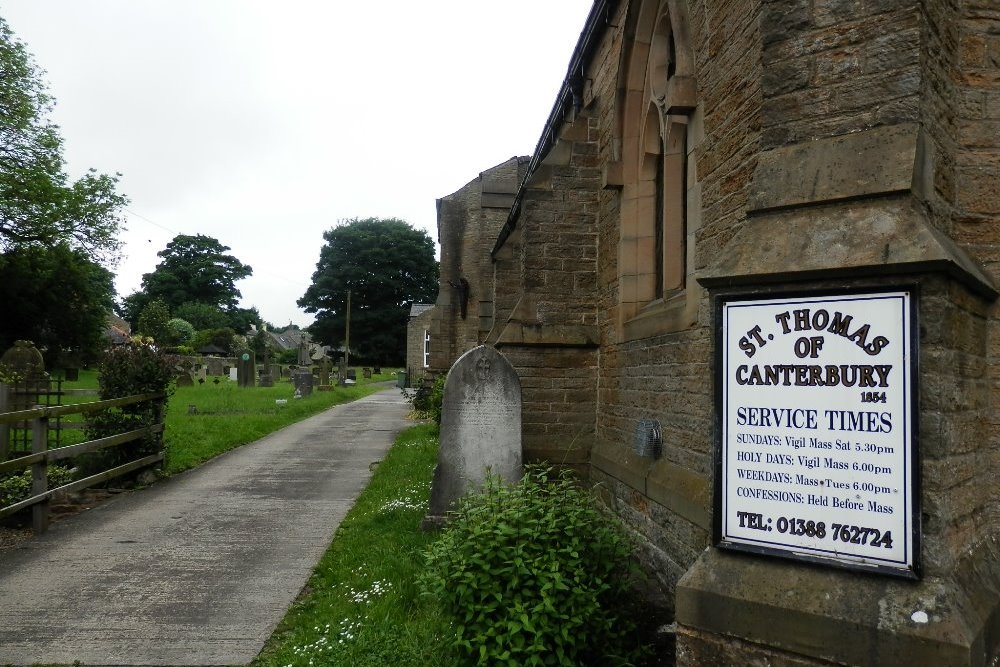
(264, 123)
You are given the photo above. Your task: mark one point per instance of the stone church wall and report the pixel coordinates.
(801, 147)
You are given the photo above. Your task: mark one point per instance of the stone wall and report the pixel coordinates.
(468, 222)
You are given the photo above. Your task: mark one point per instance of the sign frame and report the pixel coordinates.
(910, 406)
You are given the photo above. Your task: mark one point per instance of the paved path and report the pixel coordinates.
(199, 569)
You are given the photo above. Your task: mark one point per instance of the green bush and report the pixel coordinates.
(427, 399)
(127, 370)
(533, 574)
(15, 488)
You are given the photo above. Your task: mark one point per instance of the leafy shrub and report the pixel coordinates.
(126, 370)
(179, 332)
(427, 399)
(533, 574)
(15, 488)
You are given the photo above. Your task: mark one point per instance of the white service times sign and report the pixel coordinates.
(816, 458)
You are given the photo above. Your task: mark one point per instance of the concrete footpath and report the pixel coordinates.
(198, 569)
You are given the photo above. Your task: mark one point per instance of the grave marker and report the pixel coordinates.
(246, 374)
(480, 428)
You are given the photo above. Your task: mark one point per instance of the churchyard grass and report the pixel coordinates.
(361, 607)
(226, 416)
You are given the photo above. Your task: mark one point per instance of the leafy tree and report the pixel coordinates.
(196, 269)
(179, 332)
(260, 344)
(387, 265)
(39, 205)
(56, 297)
(153, 321)
(240, 319)
(224, 338)
(202, 315)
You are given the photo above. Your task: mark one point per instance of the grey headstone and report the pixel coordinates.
(480, 428)
(246, 373)
(184, 380)
(302, 379)
(215, 366)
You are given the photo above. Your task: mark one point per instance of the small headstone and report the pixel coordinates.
(246, 374)
(201, 373)
(480, 428)
(233, 374)
(215, 366)
(266, 380)
(71, 374)
(367, 373)
(302, 379)
(377, 370)
(184, 380)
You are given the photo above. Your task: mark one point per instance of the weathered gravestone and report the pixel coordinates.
(246, 373)
(302, 380)
(216, 366)
(184, 379)
(480, 428)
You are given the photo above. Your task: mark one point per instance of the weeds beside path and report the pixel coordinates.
(361, 607)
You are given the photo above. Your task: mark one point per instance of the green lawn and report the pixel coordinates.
(225, 415)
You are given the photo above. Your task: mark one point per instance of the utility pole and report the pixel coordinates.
(347, 332)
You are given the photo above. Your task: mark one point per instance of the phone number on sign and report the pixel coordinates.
(837, 532)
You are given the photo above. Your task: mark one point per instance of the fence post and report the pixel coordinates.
(39, 477)
(4, 428)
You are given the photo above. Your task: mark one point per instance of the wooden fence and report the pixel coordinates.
(15, 439)
(40, 456)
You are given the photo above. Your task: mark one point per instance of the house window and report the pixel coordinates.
(427, 348)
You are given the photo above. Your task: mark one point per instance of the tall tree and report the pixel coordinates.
(39, 205)
(387, 265)
(56, 297)
(195, 278)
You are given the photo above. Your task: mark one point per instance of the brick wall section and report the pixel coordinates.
(558, 266)
(558, 399)
(468, 223)
(973, 78)
(555, 277)
(837, 66)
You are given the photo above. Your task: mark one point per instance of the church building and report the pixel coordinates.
(748, 281)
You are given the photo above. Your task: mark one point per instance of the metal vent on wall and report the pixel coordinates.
(648, 439)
